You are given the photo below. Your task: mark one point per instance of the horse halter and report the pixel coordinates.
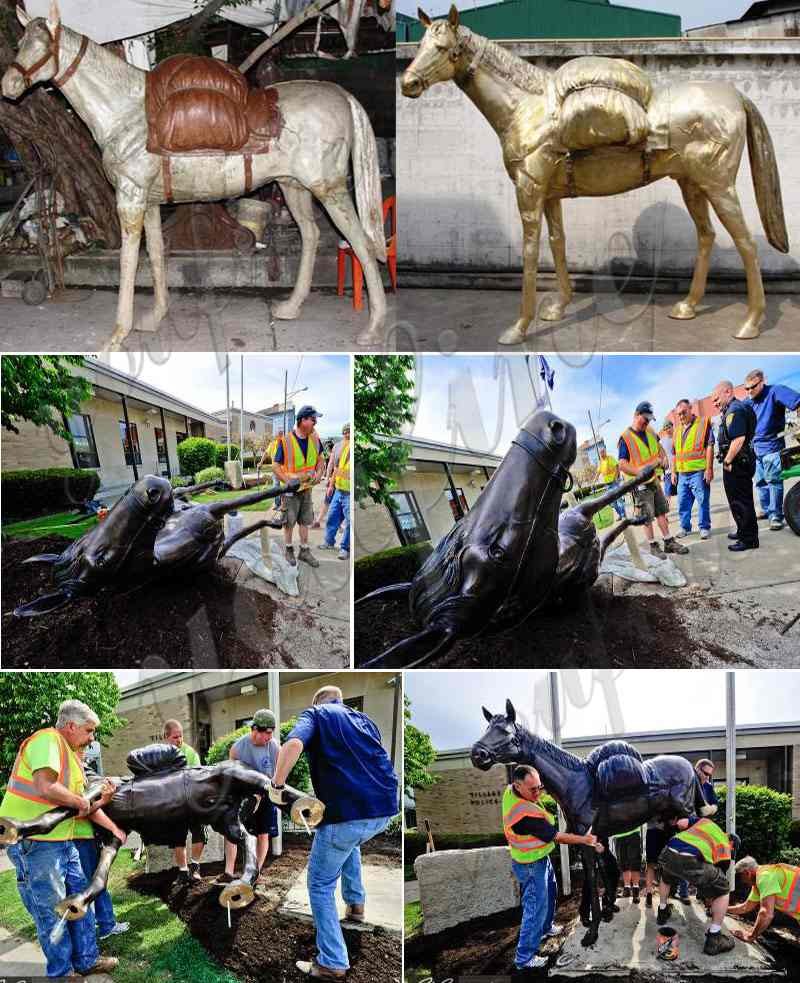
(533, 445)
(53, 52)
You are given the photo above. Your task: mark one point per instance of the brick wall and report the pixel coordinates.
(145, 725)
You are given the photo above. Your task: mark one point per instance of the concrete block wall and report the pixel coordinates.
(457, 204)
(463, 801)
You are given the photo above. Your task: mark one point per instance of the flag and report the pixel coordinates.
(547, 374)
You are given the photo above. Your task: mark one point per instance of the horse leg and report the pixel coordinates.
(342, 211)
(530, 200)
(299, 203)
(131, 209)
(729, 211)
(610, 874)
(155, 251)
(76, 906)
(589, 858)
(239, 893)
(697, 204)
(552, 309)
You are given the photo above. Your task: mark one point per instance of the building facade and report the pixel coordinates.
(765, 19)
(259, 424)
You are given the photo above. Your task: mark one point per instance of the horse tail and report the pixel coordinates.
(766, 179)
(366, 172)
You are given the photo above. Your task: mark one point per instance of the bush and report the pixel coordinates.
(299, 776)
(395, 828)
(794, 833)
(181, 481)
(389, 567)
(763, 821)
(222, 454)
(196, 453)
(209, 474)
(790, 856)
(27, 494)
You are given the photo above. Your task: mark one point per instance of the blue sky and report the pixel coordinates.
(481, 400)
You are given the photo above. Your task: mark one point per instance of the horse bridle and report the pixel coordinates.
(453, 55)
(53, 52)
(533, 445)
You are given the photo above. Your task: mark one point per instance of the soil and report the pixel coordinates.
(206, 622)
(262, 946)
(602, 629)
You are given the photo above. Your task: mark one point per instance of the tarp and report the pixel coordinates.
(618, 562)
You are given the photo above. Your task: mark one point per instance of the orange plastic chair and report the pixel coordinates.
(389, 207)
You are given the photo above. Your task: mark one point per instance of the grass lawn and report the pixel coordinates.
(157, 947)
(58, 524)
(412, 918)
(266, 505)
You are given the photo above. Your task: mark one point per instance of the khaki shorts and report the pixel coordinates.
(710, 881)
(297, 509)
(649, 501)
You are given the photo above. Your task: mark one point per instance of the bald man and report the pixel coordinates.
(736, 429)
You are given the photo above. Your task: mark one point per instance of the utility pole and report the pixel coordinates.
(241, 416)
(285, 400)
(555, 727)
(730, 761)
(228, 402)
(274, 700)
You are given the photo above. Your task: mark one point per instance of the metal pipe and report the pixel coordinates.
(166, 445)
(241, 415)
(274, 700)
(730, 761)
(555, 727)
(228, 403)
(129, 437)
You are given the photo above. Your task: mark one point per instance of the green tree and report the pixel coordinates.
(418, 753)
(299, 776)
(29, 701)
(384, 399)
(40, 388)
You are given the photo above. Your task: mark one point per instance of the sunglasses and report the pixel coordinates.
(707, 774)
(751, 388)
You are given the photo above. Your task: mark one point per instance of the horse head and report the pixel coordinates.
(437, 57)
(502, 742)
(38, 56)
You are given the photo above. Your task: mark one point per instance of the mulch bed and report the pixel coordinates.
(262, 946)
(601, 630)
(206, 622)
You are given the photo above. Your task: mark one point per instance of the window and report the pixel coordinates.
(253, 426)
(355, 703)
(130, 443)
(80, 426)
(461, 499)
(179, 437)
(161, 445)
(408, 519)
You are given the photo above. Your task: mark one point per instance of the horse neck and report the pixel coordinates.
(544, 756)
(103, 89)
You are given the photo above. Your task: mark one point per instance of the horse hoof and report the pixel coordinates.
(552, 310)
(370, 338)
(586, 921)
(589, 940)
(285, 311)
(9, 833)
(512, 336)
(237, 894)
(748, 330)
(72, 909)
(683, 311)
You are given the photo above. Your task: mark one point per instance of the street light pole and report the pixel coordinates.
(555, 727)
(730, 761)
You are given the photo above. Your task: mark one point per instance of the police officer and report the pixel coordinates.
(735, 452)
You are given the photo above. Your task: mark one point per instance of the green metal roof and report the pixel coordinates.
(556, 19)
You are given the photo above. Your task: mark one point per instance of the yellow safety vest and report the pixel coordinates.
(621, 836)
(710, 840)
(641, 454)
(788, 901)
(294, 460)
(525, 848)
(22, 800)
(607, 468)
(272, 448)
(690, 446)
(341, 476)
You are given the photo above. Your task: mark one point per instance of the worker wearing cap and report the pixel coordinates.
(257, 750)
(338, 475)
(299, 456)
(772, 887)
(735, 452)
(608, 473)
(173, 734)
(693, 466)
(639, 447)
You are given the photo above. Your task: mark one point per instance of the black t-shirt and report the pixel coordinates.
(739, 420)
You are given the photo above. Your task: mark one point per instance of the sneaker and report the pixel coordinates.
(648, 900)
(308, 557)
(705, 533)
(325, 546)
(354, 913)
(554, 931)
(120, 928)
(683, 533)
(537, 962)
(105, 964)
(717, 943)
(656, 550)
(626, 892)
(194, 870)
(664, 914)
(670, 546)
(635, 895)
(313, 969)
(344, 555)
(291, 559)
(740, 547)
(775, 525)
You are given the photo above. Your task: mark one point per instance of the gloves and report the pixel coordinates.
(278, 795)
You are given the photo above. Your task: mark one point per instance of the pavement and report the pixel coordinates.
(471, 320)
(739, 600)
(627, 945)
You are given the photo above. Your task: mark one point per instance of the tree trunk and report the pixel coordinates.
(43, 129)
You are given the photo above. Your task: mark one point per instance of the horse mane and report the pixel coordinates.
(538, 745)
(509, 66)
(115, 69)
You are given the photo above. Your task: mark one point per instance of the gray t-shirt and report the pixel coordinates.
(262, 759)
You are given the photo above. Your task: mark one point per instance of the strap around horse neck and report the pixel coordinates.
(73, 67)
(53, 52)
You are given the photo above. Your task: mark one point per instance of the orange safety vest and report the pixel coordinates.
(690, 445)
(296, 462)
(639, 453)
(24, 787)
(341, 476)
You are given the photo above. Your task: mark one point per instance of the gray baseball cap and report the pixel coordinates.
(263, 720)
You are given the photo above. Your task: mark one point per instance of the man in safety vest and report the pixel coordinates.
(608, 473)
(339, 485)
(299, 455)
(638, 447)
(532, 834)
(693, 464)
(700, 854)
(772, 887)
(47, 773)
(173, 734)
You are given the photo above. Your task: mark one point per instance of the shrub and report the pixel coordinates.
(395, 828)
(791, 855)
(794, 833)
(222, 454)
(209, 474)
(299, 776)
(389, 567)
(196, 453)
(763, 821)
(181, 481)
(30, 493)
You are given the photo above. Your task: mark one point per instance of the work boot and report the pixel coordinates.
(194, 871)
(626, 892)
(105, 964)
(291, 559)
(664, 914)
(670, 546)
(717, 943)
(740, 547)
(308, 557)
(317, 972)
(656, 550)
(636, 895)
(354, 913)
(225, 878)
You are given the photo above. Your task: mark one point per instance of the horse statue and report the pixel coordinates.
(609, 792)
(595, 128)
(191, 130)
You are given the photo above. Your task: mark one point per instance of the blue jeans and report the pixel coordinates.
(693, 487)
(338, 512)
(103, 908)
(683, 889)
(537, 883)
(619, 505)
(336, 853)
(48, 871)
(770, 484)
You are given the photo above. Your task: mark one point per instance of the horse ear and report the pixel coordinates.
(511, 713)
(23, 17)
(487, 714)
(453, 16)
(423, 17)
(55, 15)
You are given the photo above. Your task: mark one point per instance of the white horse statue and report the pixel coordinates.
(323, 127)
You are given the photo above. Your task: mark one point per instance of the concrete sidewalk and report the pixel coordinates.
(382, 908)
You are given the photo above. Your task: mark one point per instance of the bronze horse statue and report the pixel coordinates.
(693, 132)
(610, 792)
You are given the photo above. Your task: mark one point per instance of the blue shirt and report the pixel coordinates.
(261, 759)
(770, 408)
(709, 793)
(682, 846)
(350, 770)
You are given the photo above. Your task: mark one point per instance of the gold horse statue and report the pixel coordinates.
(601, 130)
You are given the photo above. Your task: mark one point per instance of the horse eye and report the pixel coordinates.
(496, 552)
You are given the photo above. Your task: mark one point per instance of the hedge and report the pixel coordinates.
(790, 856)
(181, 481)
(763, 821)
(27, 494)
(222, 454)
(389, 567)
(209, 474)
(196, 453)
(299, 776)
